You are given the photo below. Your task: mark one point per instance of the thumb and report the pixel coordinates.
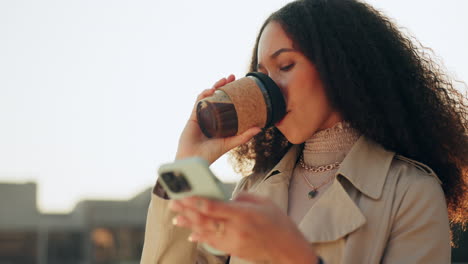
(238, 140)
(249, 197)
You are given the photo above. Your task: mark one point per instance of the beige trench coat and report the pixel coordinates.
(382, 208)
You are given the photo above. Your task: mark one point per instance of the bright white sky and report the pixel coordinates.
(94, 94)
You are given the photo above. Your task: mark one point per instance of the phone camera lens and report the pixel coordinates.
(176, 181)
(168, 177)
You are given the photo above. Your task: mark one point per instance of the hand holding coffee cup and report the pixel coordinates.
(252, 101)
(193, 142)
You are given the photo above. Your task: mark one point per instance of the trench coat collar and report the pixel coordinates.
(365, 167)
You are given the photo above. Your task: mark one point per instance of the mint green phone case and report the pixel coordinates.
(195, 174)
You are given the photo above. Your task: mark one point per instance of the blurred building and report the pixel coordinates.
(95, 232)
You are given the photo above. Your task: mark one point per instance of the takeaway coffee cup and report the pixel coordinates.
(254, 100)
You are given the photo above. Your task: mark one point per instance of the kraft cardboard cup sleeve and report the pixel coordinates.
(254, 100)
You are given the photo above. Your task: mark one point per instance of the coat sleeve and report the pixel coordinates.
(420, 231)
(167, 244)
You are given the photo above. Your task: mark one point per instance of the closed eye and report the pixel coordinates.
(287, 68)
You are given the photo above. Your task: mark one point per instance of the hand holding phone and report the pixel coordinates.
(192, 177)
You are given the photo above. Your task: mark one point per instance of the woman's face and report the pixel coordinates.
(307, 108)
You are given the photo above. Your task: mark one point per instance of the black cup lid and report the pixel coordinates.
(278, 105)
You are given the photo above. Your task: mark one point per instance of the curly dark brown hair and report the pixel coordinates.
(383, 83)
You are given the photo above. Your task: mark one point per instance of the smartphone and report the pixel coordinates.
(192, 177)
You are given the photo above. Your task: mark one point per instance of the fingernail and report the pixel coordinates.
(174, 221)
(192, 238)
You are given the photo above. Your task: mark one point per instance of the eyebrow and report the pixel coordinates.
(277, 53)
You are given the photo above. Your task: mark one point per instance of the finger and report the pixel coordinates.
(209, 92)
(213, 237)
(190, 218)
(238, 140)
(231, 78)
(224, 81)
(193, 202)
(213, 208)
(249, 197)
(204, 237)
(196, 221)
(176, 206)
(220, 83)
(204, 94)
(195, 237)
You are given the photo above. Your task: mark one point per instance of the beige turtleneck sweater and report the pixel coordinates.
(324, 147)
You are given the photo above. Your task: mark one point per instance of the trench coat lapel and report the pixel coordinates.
(275, 184)
(327, 219)
(365, 167)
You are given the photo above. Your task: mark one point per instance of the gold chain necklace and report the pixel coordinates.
(321, 168)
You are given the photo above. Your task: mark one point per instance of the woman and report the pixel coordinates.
(369, 164)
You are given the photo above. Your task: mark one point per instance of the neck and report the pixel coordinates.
(330, 145)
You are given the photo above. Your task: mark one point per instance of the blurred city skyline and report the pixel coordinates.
(94, 94)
